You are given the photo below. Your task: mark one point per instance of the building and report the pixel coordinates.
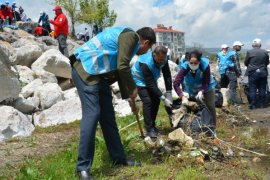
(173, 39)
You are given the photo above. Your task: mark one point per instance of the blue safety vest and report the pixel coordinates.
(99, 54)
(149, 61)
(194, 84)
(225, 61)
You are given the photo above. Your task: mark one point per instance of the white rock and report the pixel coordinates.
(46, 77)
(180, 136)
(26, 55)
(61, 113)
(54, 62)
(13, 123)
(9, 83)
(48, 94)
(121, 107)
(26, 74)
(70, 93)
(29, 89)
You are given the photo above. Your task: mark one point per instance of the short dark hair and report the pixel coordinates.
(147, 33)
(195, 53)
(160, 49)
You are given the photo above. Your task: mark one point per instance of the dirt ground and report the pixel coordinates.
(13, 152)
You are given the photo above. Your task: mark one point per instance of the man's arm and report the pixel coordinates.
(167, 77)
(150, 81)
(247, 59)
(178, 81)
(237, 67)
(127, 43)
(59, 22)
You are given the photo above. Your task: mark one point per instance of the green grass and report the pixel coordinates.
(61, 164)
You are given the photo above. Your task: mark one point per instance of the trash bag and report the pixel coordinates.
(218, 98)
(198, 122)
(203, 121)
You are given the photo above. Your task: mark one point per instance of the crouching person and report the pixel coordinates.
(146, 72)
(97, 64)
(198, 82)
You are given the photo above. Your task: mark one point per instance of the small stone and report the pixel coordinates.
(256, 159)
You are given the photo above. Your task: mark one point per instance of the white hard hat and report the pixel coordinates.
(41, 13)
(14, 3)
(7, 2)
(257, 41)
(238, 43)
(224, 46)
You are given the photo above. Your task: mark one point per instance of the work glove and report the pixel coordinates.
(168, 95)
(167, 102)
(200, 96)
(185, 98)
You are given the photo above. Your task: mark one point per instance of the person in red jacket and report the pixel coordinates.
(6, 13)
(60, 23)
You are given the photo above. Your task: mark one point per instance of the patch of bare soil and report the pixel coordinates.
(13, 152)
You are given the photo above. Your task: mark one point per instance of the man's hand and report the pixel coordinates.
(134, 108)
(200, 96)
(132, 103)
(51, 21)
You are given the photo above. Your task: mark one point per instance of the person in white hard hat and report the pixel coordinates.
(228, 71)
(256, 61)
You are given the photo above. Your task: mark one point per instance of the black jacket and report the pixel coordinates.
(256, 59)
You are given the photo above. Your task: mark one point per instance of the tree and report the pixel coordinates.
(73, 11)
(97, 12)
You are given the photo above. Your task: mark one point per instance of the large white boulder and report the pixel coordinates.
(26, 55)
(9, 83)
(13, 123)
(48, 94)
(54, 62)
(61, 113)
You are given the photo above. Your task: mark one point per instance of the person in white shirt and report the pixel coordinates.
(22, 14)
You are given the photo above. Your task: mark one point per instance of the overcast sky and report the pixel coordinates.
(208, 22)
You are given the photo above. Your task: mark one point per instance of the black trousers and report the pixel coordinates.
(150, 107)
(257, 82)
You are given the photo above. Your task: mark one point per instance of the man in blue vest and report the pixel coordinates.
(146, 72)
(97, 64)
(228, 70)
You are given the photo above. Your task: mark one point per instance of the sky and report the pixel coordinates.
(207, 22)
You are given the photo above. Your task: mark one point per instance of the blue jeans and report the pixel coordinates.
(96, 101)
(256, 82)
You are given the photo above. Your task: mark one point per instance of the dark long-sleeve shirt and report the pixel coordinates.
(150, 81)
(180, 78)
(256, 58)
(237, 66)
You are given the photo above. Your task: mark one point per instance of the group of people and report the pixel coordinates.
(229, 70)
(9, 14)
(105, 59)
(60, 24)
(86, 35)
